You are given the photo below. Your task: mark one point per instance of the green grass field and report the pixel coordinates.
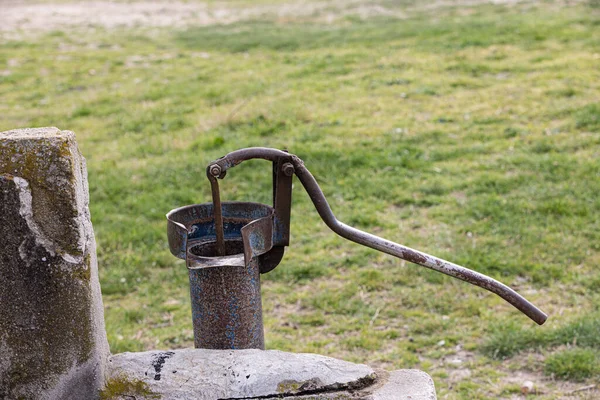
(469, 132)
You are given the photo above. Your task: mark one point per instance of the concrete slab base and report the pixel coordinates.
(256, 374)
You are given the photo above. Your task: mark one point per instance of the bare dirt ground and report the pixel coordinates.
(30, 16)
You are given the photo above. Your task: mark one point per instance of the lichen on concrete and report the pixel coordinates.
(293, 386)
(121, 387)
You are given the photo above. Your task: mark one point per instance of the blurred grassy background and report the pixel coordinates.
(470, 131)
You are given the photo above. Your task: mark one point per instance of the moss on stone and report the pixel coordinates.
(120, 387)
(292, 386)
(84, 272)
(288, 387)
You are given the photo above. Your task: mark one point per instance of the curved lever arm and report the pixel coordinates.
(218, 168)
(406, 253)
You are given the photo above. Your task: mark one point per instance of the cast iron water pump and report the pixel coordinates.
(228, 245)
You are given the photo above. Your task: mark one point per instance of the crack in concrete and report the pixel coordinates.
(358, 385)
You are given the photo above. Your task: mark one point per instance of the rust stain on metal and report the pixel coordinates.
(413, 257)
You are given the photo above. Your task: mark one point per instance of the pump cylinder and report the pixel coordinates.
(225, 289)
(225, 294)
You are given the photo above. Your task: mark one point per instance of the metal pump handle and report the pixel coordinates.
(218, 168)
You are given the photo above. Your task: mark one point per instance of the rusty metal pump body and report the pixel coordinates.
(228, 245)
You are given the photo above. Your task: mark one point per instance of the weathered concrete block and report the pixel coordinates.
(405, 384)
(52, 339)
(204, 374)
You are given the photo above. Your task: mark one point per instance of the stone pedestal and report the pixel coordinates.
(52, 338)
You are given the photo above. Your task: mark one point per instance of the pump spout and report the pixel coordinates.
(409, 254)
